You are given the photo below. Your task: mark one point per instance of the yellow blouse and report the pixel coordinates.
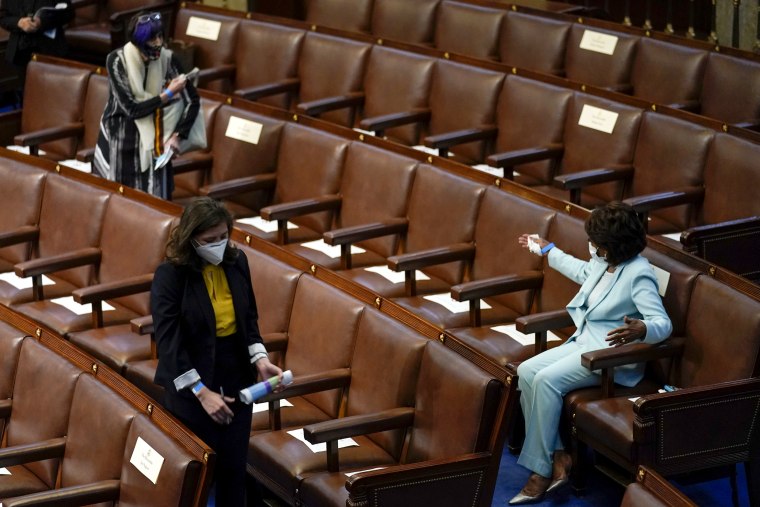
(221, 299)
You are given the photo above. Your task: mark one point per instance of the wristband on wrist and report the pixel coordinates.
(197, 387)
(546, 249)
(169, 93)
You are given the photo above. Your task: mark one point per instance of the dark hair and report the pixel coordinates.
(617, 228)
(143, 27)
(199, 216)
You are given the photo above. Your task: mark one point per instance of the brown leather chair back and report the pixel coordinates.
(385, 93)
(451, 421)
(274, 59)
(187, 184)
(70, 218)
(731, 89)
(666, 73)
(463, 97)
(376, 185)
(321, 337)
(129, 222)
(404, 21)
(42, 393)
(10, 347)
(331, 66)
(20, 201)
(533, 42)
(468, 29)
(99, 421)
(179, 475)
(372, 389)
(722, 336)
(591, 66)
(349, 15)
(440, 197)
(732, 178)
(53, 96)
(531, 114)
(502, 218)
(310, 163)
(670, 155)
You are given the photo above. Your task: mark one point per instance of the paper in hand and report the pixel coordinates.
(164, 159)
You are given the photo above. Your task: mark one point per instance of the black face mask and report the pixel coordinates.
(151, 52)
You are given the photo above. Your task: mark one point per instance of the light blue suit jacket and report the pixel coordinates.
(632, 293)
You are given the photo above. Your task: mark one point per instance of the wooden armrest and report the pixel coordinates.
(542, 322)
(731, 390)
(36, 451)
(21, 235)
(210, 74)
(517, 157)
(288, 210)
(86, 154)
(480, 289)
(441, 255)
(275, 342)
(49, 134)
(651, 202)
(690, 236)
(351, 426)
(142, 325)
(378, 124)
(592, 177)
(317, 107)
(5, 408)
(314, 383)
(195, 162)
(349, 235)
(84, 494)
(239, 186)
(256, 92)
(449, 139)
(112, 290)
(75, 259)
(632, 353)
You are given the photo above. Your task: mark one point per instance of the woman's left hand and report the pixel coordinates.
(267, 370)
(633, 330)
(173, 143)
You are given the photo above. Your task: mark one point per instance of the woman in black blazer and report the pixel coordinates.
(209, 345)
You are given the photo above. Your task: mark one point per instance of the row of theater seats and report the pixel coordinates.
(73, 434)
(689, 76)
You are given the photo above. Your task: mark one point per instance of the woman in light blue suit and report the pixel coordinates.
(618, 303)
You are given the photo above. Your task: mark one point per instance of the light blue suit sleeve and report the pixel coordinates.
(649, 304)
(573, 268)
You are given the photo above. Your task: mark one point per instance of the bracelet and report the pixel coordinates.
(169, 93)
(197, 387)
(545, 249)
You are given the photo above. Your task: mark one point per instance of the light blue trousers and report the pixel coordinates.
(544, 380)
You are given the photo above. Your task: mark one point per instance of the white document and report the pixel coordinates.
(395, 276)
(146, 460)
(264, 225)
(522, 338)
(263, 407)
(315, 448)
(4, 471)
(73, 306)
(85, 167)
(349, 474)
(452, 305)
(663, 277)
(332, 251)
(598, 42)
(203, 28)
(675, 236)
(244, 130)
(598, 119)
(23, 283)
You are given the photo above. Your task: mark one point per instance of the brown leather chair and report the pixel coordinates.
(349, 15)
(731, 90)
(375, 189)
(10, 347)
(500, 272)
(468, 29)
(437, 197)
(595, 67)
(668, 74)
(272, 456)
(275, 60)
(94, 103)
(652, 490)
(446, 426)
(533, 42)
(404, 21)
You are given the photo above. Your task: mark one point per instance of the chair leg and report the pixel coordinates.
(578, 473)
(734, 487)
(752, 472)
(516, 430)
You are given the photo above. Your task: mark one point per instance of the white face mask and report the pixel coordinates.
(213, 253)
(592, 250)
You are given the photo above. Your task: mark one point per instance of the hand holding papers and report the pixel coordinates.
(164, 159)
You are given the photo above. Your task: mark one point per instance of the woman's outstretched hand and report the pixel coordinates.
(523, 240)
(633, 330)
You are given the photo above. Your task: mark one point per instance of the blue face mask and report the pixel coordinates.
(593, 251)
(213, 253)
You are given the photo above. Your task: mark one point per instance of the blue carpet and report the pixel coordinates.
(603, 491)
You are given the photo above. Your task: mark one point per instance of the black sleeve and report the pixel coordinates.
(10, 14)
(191, 97)
(57, 18)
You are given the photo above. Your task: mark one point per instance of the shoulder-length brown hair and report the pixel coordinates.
(199, 216)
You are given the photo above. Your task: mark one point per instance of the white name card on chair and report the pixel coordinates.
(598, 119)
(147, 460)
(244, 130)
(598, 42)
(203, 28)
(453, 305)
(663, 277)
(315, 448)
(522, 338)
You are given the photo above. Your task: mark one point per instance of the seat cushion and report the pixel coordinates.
(300, 414)
(384, 287)
(495, 345)
(65, 321)
(444, 318)
(610, 421)
(114, 345)
(141, 374)
(20, 482)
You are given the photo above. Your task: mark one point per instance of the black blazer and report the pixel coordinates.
(184, 322)
(21, 44)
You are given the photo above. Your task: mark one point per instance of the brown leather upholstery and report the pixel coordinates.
(669, 74)
(405, 21)
(600, 69)
(20, 199)
(350, 15)
(652, 490)
(468, 29)
(94, 104)
(731, 89)
(10, 347)
(533, 42)
(275, 57)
